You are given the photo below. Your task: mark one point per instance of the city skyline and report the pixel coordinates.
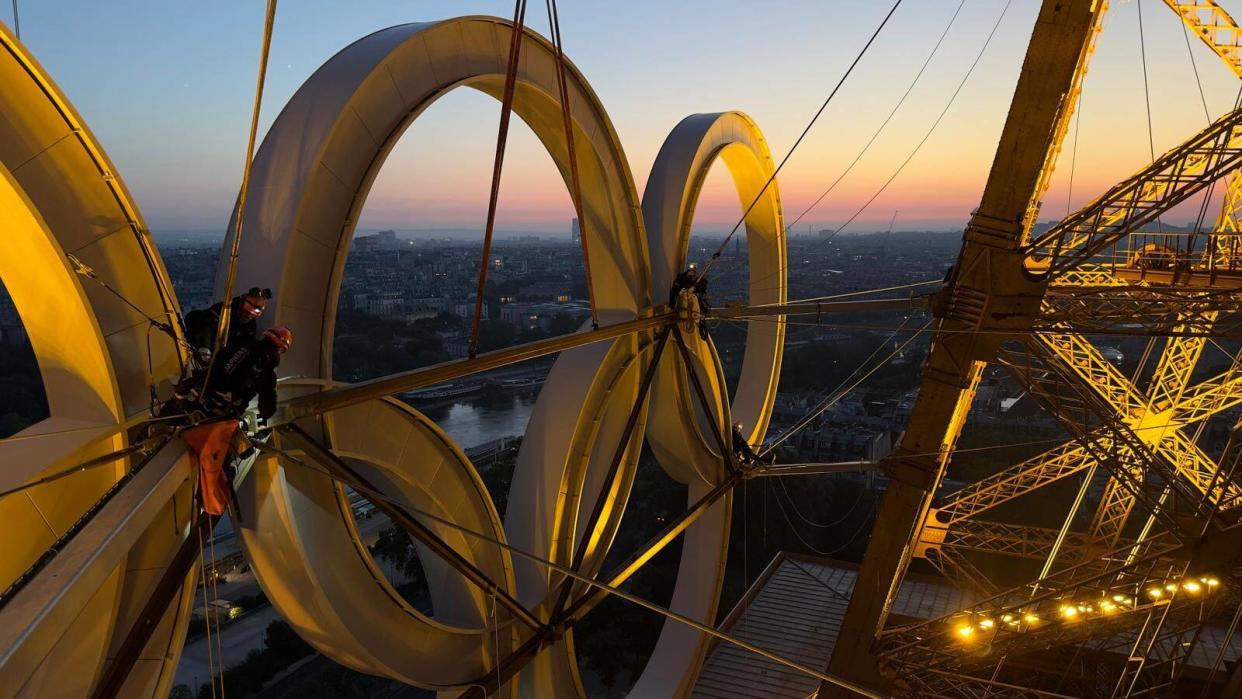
(181, 81)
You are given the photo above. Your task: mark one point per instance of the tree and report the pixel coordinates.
(563, 324)
(496, 334)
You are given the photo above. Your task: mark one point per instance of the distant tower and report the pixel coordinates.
(575, 230)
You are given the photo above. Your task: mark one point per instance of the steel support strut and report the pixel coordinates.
(174, 578)
(353, 394)
(565, 613)
(604, 499)
(345, 473)
(988, 281)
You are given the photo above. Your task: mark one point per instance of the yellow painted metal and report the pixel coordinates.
(1068, 106)
(694, 145)
(1155, 415)
(1159, 429)
(1211, 23)
(1227, 236)
(988, 281)
(1089, 276)
(60, 195)
(1173, 372)
(1014, 482)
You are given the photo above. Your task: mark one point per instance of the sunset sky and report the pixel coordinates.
(166, 87)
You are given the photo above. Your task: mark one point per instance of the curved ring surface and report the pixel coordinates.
(310, 180)
(679, 431)
(60, 196)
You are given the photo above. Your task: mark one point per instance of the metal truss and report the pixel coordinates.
(1096, 599)
(958, 569)
(1214, 26)
(1018, 480)
(1132, 418)
(1159, 647)
(1082, 411)
(1005, 539)
(1145, 310)
(1100, 275)
(1174, 176)
(952, 685)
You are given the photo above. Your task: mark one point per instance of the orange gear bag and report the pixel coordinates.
(209, 445)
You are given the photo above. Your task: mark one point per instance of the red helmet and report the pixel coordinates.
(280, 336)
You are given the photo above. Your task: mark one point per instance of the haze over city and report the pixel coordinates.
(459, 406)
(170, 99)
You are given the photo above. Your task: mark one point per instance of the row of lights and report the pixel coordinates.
(1073, 611)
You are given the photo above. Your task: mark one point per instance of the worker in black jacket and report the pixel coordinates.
(743, 454)
(201, 325)
(245, 372)
(686, 279)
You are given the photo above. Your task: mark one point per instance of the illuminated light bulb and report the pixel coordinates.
(965, 630)
(1191, 586)
(1211, 582)
(1107, 607)
(1008, 618)
(1171, 587)
(1120, 598)
(1155, 593)
(1069, 611)
(1030, 618)
(986, 624)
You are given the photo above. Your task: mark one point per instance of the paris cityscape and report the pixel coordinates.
(406, 301)
(701, 350)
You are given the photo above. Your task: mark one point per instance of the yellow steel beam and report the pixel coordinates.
(961, 573)
(1210, 397)
(1177, 363)
(1175, 176)
(1211, 23)
(990, 268)
(1013, 482)
(1079, 355)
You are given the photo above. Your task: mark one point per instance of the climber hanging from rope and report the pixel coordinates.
(689, 294)
(201, 324)
(743, 454)
(244, 373)
(682, 282)
(243, 368)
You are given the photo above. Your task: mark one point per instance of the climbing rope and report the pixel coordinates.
(554, 23)
(215, 599)
(918, 147)
(844, 389)
(762, 190)
(502, 136)
(222, 328)
(604, 587)
(883, 124)
(202, 576)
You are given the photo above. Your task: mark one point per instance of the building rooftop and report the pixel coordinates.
(795, 609)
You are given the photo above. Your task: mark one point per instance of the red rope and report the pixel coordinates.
(506, 109)
(554, 23)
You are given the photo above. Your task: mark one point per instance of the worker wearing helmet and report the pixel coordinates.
(201, 325)
(685, 280)
(743, 454)
(246, 372)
